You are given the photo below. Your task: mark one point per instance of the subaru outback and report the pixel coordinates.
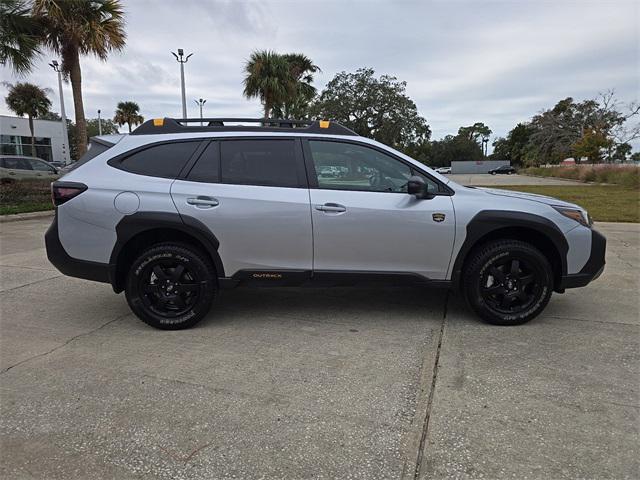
(174, 212)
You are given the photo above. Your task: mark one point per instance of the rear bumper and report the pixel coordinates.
(57, 255)
(594, 266)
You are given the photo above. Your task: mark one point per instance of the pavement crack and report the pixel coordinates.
(29, 284)
(44, 354)
(427, 415)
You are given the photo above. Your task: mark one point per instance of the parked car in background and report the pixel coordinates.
(17, 167)
(504, 170)
(444, 170)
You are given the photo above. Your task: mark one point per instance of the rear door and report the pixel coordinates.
(252, 194)
(18, 168)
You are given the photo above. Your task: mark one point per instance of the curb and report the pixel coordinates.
(15, 217)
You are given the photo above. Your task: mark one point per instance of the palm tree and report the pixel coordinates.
(268, 78)
(20, 35)
(31, 100)
(129, 113)
(301, 70)
(75, 27)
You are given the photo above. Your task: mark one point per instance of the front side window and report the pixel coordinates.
(269, 163)
(347, 166)
(40, 166)
(165, 160)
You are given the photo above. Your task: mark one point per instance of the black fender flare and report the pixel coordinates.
(131, 225)
(488, 221)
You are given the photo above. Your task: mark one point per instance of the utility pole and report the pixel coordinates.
(99, 123)
(181, 59)
(200, 102)
(65, 136)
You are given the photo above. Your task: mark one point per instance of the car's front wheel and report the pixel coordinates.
(508, 282)
(171, 286)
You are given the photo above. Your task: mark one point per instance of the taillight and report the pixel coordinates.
(62, 192)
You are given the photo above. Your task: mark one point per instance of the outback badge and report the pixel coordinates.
(438, 217)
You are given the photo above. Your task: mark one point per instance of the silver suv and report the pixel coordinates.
(174, 212)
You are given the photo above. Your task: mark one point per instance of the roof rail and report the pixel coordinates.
(181, 125)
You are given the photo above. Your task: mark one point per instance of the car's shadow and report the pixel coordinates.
(338, 304)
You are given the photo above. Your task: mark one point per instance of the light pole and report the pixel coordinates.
(99, 123)
(200, 102)
(182, 60)
(65, 136)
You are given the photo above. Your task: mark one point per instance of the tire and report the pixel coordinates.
(493, 173)
(507, 282)
(171, 286)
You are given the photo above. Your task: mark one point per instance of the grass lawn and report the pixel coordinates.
(25, 208)
(605, 203)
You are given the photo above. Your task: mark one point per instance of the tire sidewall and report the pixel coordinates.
(185, 256)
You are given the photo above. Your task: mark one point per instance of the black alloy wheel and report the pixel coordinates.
(508, 282)
(171, 286)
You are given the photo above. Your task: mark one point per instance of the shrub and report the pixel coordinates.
(25, 196)
(627, 176)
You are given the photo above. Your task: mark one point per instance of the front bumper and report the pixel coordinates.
(592, 269)
(73, 267)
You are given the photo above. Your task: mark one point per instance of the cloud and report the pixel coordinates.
(464, 61)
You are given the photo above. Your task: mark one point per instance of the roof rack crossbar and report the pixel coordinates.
(221, 124)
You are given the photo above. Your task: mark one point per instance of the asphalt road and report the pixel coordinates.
(486, 179)
(315, 383)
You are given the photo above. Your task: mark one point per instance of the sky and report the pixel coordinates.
(497, 62)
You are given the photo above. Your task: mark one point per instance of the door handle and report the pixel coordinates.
(203, 201)
(331, 207)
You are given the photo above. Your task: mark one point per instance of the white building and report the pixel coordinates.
(15, 138)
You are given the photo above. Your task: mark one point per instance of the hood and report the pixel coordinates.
(529, 196)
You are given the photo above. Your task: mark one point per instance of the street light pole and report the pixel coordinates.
(181, 59)
(65, 136)
(200, 102)
(99, 124)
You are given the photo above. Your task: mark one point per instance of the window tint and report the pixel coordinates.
(207, 168)
(346, 166)
(259, 162)
(164, 160)
(40, 166)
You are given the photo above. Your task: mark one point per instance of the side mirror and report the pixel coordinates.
(417, 186)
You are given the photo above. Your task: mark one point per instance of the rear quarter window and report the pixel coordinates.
(164, 160)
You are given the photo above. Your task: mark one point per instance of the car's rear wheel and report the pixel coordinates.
(508, 282)
(171, 286)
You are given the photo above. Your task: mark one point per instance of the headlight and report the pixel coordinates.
(579, 215)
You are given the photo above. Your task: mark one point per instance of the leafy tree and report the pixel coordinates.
(301, 70)
(128, 113)
(513, 146)
(476, 132)
(374, 107)
(108, 127)
(30, 100)
(79, 27)
(592, 129)
(440, 153)
(635, 157)
(20, 35)
(268, 77)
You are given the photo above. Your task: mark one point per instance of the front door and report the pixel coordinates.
(252, 195)
(365, 221)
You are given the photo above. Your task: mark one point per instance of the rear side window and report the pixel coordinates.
(16, 163)
(165, 160)
(259, 162)
(207, 168)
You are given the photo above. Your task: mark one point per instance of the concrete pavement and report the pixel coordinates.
(315, 383)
